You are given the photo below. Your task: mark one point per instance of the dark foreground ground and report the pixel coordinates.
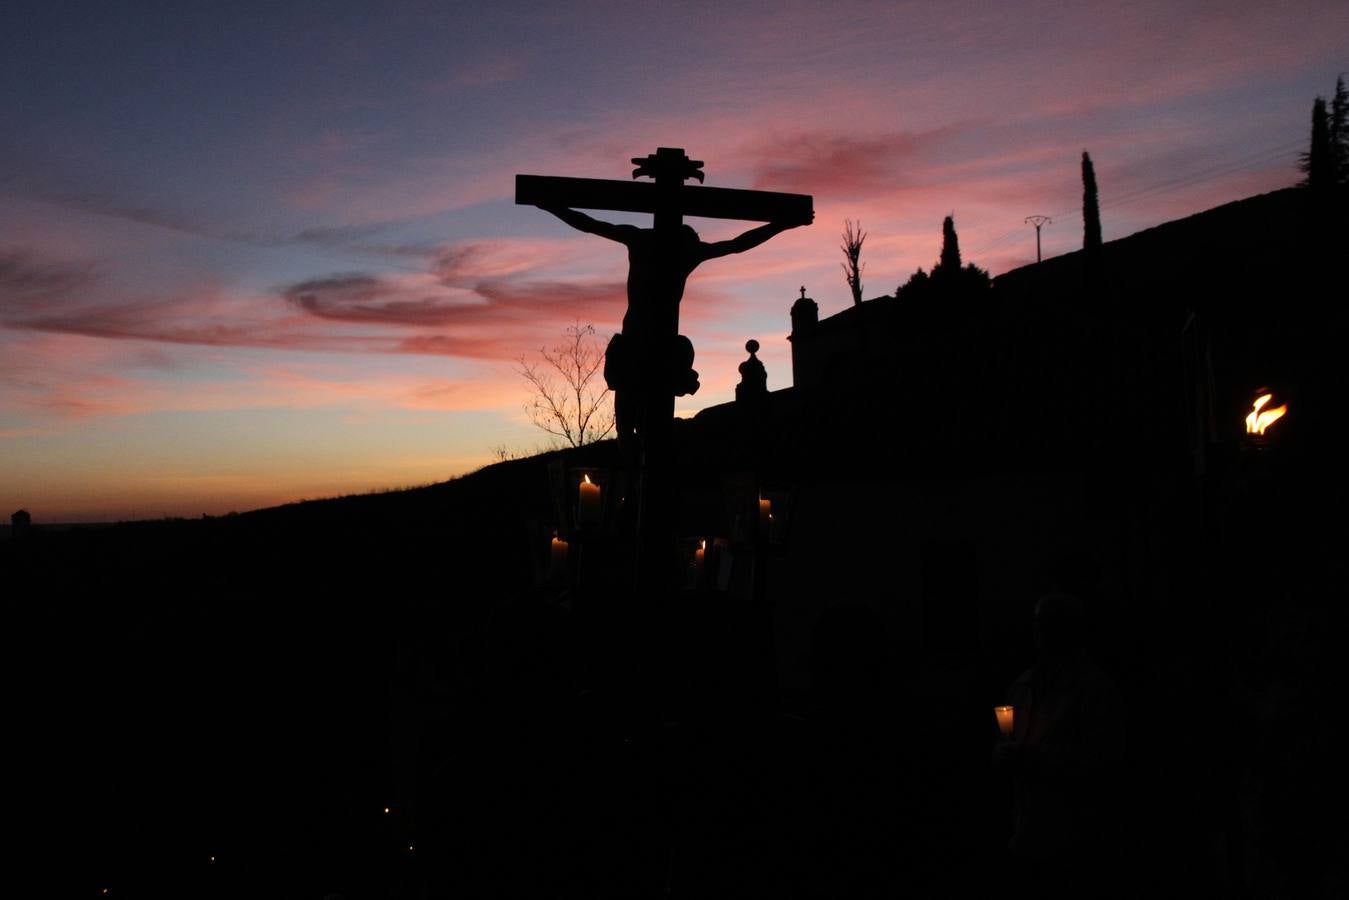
(227, 707)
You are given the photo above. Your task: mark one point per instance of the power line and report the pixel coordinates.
(1253, 160)
(1249, 162)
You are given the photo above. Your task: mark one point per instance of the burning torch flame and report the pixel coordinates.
(1258, 421)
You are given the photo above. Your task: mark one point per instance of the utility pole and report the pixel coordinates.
(1038, 221)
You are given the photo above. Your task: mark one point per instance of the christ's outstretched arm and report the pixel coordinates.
(580, 221)
(750, 239)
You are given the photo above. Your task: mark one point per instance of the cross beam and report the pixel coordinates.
(646, 197)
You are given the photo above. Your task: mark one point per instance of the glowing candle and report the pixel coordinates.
(699, 557)
(556, 566)
(765, 516)
(1261, 418)
(588, 510)
(1004, 714)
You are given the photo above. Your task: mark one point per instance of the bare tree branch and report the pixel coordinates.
(853, 236)
(567, 400)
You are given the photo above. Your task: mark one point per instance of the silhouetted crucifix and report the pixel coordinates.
(650, 363)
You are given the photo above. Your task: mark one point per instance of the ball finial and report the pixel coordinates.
(752, 346)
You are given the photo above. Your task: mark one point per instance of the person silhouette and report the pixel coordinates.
(1065, 748)
(649, 358)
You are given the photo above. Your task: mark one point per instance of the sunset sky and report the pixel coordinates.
(269, 251)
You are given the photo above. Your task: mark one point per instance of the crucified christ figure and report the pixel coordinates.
(650, 359)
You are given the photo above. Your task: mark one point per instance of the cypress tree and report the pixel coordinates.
(1318, 163)
(1339, 132)
(950, 247)
(948, 281)
(1091, 205)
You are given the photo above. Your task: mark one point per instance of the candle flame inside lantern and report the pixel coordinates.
(589, 510)
(1261, 418)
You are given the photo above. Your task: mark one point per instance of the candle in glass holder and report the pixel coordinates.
(765, 516)
(588, 510)
(699, 558)
(1004, 714)
(557, 563)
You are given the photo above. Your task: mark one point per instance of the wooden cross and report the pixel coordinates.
(668, 198)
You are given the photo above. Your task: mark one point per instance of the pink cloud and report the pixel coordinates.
(475, 300)
(295, 386)
(371, 299)
(839, 165)
(79, 388)
(27, 282)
